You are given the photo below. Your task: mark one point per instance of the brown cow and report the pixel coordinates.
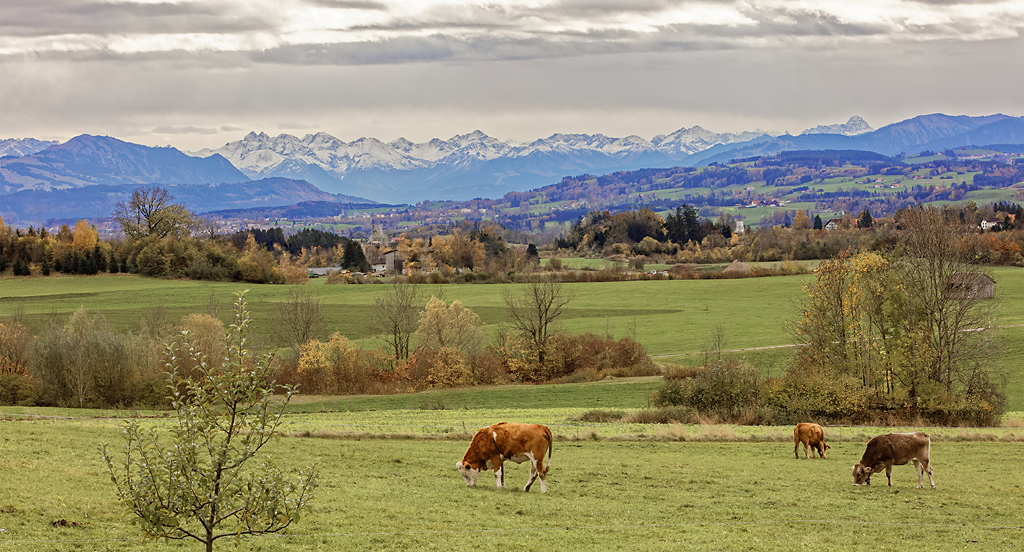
(494, 444)
(895, 448)
(809, 434)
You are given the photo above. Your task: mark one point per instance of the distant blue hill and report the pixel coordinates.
(36, 207)
(922, 133)
(88, 160)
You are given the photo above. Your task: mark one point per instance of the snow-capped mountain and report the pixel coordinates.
(853, 127)
(20, 147)
(464, 166)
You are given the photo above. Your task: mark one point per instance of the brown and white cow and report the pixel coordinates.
(494, 444)
(895, 448)
(810, 435)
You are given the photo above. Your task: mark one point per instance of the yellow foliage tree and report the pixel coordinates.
(333, 367)
(85, 236)
(453, 326)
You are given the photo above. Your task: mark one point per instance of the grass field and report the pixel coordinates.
(671, 318)
(677, 488)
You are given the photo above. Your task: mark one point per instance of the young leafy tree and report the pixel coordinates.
(200, 485)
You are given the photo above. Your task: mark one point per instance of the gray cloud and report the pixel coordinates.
(62, 17)
(512, 71)
(185, 130)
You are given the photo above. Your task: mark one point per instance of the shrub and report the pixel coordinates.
(335, 367)
(447, 367)
(17, 389)
(726, 389)
(600, 416)
(663, 415)
(85, 363)
(810, 394)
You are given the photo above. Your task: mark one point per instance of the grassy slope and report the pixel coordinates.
(668, 317)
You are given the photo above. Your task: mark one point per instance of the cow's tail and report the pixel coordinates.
(551, 442)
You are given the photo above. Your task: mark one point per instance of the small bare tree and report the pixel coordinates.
(534, 312)
(299, 319)
(714, 344)
(394, 317)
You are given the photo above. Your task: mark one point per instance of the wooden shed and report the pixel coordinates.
(971, 285)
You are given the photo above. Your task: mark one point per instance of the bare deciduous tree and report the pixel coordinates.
(944, 299)
(299, 319)
(714, 344)
(394, 317)
(150, 213)
(535, 311)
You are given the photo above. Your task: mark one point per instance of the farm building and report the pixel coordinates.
(971, 285)
(394, 260)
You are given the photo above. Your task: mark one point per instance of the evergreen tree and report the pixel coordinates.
(817, 222)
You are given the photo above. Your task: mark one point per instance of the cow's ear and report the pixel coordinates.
(867, 469)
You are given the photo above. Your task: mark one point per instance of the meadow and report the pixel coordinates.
(388, 482)
(666, 316)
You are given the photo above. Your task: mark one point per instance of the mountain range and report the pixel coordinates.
(477, 165)
(92, 170)
(462, 167)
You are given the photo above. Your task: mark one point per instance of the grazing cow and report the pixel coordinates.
(809, 434)
(494, 444)
(895, 448)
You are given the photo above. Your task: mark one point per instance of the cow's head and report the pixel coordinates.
(861, 473)
(469, 473)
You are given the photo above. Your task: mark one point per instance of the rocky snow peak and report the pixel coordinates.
(852, 127)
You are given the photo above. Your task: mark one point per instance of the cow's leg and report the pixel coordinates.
(922, 467)
(888, 473)
(499, 474)
(543, 472)
(533, 471)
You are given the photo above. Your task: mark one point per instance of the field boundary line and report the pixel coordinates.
(803, 344)
(574, 528)
(454, 426)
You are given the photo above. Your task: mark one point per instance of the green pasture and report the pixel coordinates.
(721, 493)
(577, 263)
(667, 316)
(671, 318)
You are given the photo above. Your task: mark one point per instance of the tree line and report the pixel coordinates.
(426, 343)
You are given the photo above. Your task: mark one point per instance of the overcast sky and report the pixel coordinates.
(196, 74)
